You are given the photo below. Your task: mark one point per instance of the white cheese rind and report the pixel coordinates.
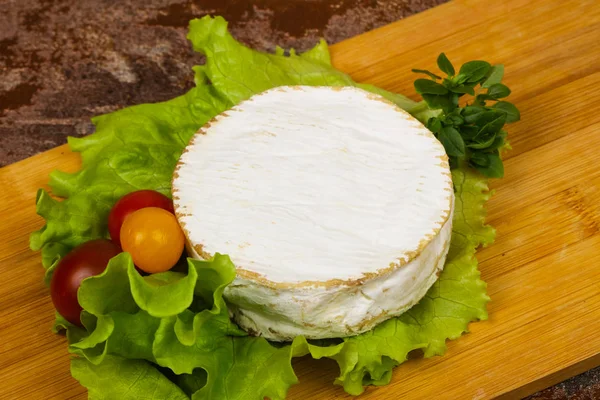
(317, 312)
(334, 205)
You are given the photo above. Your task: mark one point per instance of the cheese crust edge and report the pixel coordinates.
(409, 256)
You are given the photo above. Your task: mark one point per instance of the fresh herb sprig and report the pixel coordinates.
(474, 133)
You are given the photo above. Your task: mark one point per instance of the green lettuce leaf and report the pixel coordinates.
(169, 335)
(237, 72)
(124, 379)
(202, 346)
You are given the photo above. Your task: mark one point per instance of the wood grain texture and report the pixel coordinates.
(542, 272)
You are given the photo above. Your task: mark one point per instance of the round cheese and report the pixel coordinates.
(334, 205)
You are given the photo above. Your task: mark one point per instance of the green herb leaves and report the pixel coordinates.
(512, 114)
(452, 141)
(474, 71)
(445, 65)
(426, 86)
(473, 133)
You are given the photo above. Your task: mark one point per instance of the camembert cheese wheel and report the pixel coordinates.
(334, 205)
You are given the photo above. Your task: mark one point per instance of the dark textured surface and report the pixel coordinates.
(583, 387)
(62, 62)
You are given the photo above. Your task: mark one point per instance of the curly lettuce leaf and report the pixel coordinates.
(211, 355)
(238, 72)
(124, 379)
(169, 335)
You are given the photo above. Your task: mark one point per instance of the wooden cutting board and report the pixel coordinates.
(543, 272)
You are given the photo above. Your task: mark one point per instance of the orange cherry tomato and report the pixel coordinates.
(153, 238)
(132, 202)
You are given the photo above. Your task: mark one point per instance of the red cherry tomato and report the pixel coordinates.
(132, 202)
(83, 261)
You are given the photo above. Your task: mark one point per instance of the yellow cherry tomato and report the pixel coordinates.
(153, 238)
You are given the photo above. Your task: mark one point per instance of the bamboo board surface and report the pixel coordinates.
(543, 271)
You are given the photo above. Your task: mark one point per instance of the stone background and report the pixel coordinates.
(63, 61)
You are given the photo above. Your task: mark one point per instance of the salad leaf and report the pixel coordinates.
(169, 335)
(238, 72)
(164, 294)
(236, 366)
(124, 379)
